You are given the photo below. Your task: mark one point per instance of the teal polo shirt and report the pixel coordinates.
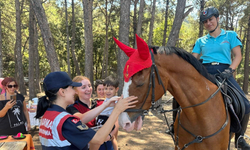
(217, 49)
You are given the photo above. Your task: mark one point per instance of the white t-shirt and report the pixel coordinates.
(107, 111)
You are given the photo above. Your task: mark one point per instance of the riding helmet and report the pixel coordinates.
(208, 13)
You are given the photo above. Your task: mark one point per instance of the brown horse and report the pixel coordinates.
(203, 122)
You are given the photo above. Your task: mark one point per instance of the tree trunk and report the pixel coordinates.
(246, 65)
(202, 2)
(227, 17)
(67, 32)
(232, 22)
(106, 48)
(31, 53)
(87, 7)
(46, 34)
(151, 27)
(73, 40)
(15, 60)
(166, 25)
(36, 58)
(1, 50)
(179, 15)
(140, 18)
(134, 21)
(124, 38)
(19, 71)
(241, 30)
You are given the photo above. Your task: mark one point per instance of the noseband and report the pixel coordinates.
(153, 71)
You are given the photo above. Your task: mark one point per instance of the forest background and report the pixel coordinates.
(40, 36)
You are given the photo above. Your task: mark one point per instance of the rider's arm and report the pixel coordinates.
(196, 55)
(237, 57)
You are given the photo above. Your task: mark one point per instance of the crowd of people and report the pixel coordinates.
(68, 115)
(70, 118)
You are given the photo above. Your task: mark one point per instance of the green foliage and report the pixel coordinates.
(55, 12)
(8, 36)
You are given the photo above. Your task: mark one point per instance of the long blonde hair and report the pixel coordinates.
(78, 79)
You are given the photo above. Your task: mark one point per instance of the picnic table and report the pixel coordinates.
(17, 144)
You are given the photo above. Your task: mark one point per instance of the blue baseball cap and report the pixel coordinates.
(57, 80)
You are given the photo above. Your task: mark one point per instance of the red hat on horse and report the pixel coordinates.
(139, 58)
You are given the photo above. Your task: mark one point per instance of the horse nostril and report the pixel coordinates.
(127, 124)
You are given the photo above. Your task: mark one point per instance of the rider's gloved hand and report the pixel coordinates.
(201, 60)
(227, 73)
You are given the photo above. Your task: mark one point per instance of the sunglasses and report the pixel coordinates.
(10, 86)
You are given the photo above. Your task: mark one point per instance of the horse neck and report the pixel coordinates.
(183, 81)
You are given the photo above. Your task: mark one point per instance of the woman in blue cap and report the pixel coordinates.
(61, 130)
(214, 49)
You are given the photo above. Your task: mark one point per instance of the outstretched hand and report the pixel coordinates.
(111, 102)
(125, 103)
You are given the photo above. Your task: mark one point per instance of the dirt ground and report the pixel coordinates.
(151, 137)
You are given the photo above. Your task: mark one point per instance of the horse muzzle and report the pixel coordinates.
(128, 125)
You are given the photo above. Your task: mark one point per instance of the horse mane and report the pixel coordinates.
(189, 58)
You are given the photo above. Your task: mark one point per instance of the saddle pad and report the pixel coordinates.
(236, 105)
(235, 125)
(237, 101)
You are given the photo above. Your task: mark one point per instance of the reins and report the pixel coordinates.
(198, 138)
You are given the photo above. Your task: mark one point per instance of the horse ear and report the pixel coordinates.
(127, 50)
(142, 47)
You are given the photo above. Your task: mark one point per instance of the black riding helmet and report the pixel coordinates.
(208, 13)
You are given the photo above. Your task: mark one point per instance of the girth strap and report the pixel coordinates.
(198, 138)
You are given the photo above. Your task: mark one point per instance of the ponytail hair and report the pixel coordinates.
(45, 102)
(42, 106)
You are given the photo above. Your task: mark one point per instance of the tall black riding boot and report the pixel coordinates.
(175, 105)
(239, 137)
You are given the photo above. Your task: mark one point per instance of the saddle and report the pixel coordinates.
(235, 103)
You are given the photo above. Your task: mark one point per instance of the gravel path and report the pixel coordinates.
(151, 137)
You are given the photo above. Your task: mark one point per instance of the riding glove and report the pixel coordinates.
(227, 73)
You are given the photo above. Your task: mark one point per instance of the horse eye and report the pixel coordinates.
(140, 85)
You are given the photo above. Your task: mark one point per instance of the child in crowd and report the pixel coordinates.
(110, 89)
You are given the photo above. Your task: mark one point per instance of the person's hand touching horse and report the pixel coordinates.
(126, 103)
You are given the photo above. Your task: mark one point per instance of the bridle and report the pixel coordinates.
(153, 71)
(143, 112)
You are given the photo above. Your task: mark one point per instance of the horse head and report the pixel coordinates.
(148, 75)
(136, 74)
